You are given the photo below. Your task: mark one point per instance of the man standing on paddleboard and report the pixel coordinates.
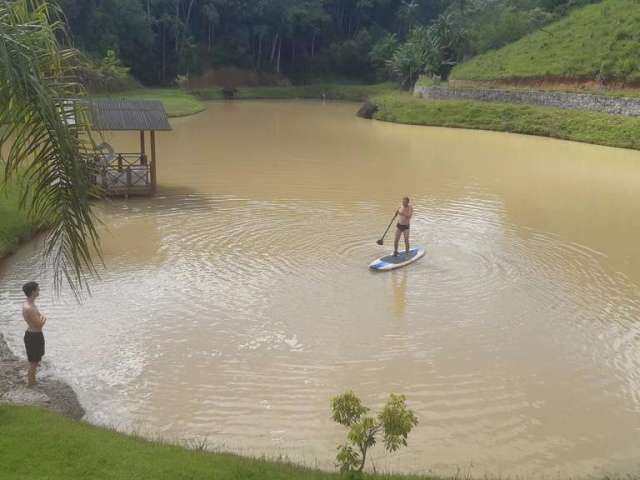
(405, 212)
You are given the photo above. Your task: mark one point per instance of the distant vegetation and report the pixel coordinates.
(105, 75)
(316, 91)
(596, 43)
(179, 102)
(303, 40)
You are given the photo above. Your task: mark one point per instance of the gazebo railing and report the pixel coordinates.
(123, 173)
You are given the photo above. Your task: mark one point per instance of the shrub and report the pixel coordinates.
(412, 58)
(381, 53)
(394, 423)
(351, 57)
(106, 76)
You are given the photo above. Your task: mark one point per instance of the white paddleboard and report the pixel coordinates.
(391, 263)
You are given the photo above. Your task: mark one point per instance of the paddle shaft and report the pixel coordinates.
(391, 222)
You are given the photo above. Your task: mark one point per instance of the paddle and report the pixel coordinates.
(381, 241)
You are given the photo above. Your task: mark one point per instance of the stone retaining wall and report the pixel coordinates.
(571, 101)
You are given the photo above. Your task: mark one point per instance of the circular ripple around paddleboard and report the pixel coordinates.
(238, 301)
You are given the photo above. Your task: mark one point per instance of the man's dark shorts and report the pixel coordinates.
(34, 343)
(402, 228)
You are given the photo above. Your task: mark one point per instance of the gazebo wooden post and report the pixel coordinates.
(153, 162)
(143, 160)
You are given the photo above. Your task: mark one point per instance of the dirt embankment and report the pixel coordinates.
(51, 393)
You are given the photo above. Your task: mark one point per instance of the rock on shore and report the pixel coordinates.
(367, 110)
(50, 392)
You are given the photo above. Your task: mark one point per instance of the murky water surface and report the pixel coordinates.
(237, 302)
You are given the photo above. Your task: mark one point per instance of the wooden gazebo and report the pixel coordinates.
(124, 174)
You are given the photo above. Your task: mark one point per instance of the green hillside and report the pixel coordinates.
(597, 42)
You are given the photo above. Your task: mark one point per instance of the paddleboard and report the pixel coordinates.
(390, 262)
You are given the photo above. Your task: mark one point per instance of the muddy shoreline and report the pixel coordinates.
(51, 392)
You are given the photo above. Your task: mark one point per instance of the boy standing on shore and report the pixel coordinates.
(33, 337)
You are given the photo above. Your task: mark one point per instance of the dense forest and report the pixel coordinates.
(302, 40)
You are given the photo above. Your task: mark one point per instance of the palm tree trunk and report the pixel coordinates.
(363, 452)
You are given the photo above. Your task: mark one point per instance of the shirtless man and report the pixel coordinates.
(33, 337)
(405, 212)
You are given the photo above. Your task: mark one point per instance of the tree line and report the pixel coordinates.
(303, 39)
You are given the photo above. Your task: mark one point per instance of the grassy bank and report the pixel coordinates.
(329, 91)
(38, 444)
(180, 103)
(596, 42)
(588, 127)
(177, 102)
(15, 224)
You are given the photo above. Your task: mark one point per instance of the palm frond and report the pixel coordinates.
(46, 136)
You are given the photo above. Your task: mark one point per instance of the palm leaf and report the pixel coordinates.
(46, 138)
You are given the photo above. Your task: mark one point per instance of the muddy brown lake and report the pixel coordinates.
(234, 304)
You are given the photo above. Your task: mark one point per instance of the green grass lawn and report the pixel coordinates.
(598, 128)
(330, 91)
(177, 102)
(597, 41)
(36, 444)
(15, 224)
